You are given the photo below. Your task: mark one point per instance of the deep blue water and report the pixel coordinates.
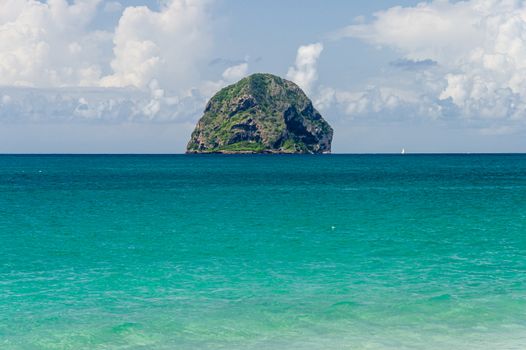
(263, 252)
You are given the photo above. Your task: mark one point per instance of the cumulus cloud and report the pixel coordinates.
(111, 105)
(55, 44)
(479, 46)
(304, 71)
(47, 44)
(164, 45)
(434, 30)
(51, 44)
(235, 72)
(230, 75)
(380, 103)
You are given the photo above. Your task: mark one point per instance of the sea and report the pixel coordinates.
(263, 252)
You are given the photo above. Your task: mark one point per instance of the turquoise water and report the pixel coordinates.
(263, 252)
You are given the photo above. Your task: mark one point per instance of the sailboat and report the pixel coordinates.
(403, 151)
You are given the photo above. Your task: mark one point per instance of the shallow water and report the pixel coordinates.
(263, 252)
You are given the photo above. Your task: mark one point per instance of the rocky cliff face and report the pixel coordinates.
(261, 113)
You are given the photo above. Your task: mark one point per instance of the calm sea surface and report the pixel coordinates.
(263, 252)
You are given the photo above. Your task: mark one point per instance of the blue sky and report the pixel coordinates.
(100, 76)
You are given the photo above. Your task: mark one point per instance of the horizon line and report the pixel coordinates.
(256, 154)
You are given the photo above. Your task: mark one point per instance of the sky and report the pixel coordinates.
(107, 76)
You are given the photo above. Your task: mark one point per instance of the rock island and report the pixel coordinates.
(261, 113)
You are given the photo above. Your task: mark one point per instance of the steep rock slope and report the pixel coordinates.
(261, 113)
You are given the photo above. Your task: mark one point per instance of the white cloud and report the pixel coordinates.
(382, 103)
(230, 75)
(234, 73)
(55, 44)
(47, 44)
(51, 44)
(304, 71)
(434, 30)
(165, 45)
(479, 48)
(6, 99)
(111, 105)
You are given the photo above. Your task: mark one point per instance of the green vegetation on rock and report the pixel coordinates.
(261, 113)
